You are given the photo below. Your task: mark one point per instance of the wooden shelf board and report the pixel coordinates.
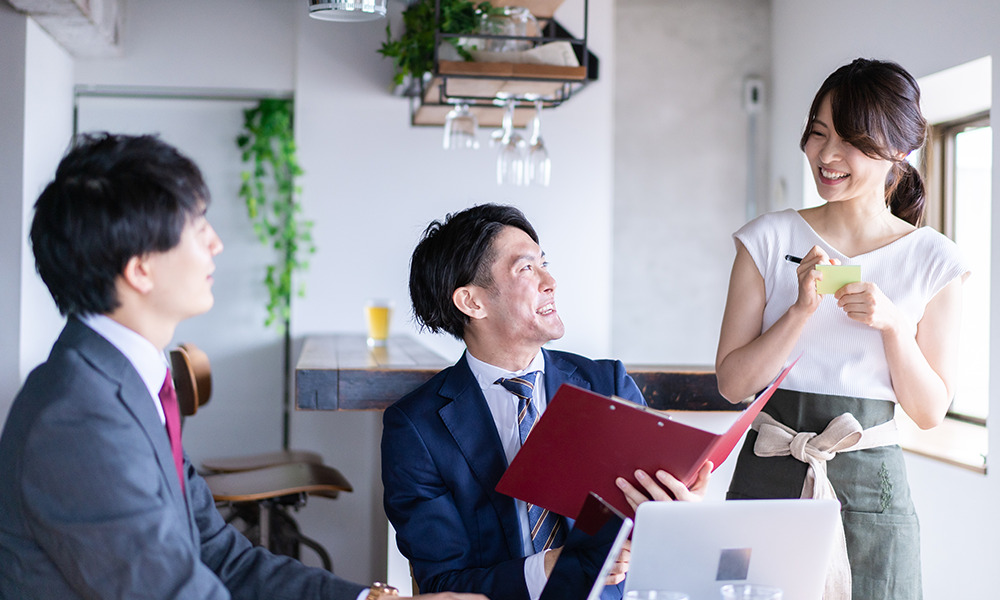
(541, 9)
(511, 70)
(487, 116)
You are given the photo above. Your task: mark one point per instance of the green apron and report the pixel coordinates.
(880, 524)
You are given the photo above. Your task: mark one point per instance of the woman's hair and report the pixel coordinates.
(876, 109)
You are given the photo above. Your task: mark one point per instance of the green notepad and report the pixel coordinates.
(836, 277)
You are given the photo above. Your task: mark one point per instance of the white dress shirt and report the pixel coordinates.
(147, 360)
(503, 407)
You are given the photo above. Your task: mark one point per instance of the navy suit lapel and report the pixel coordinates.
(133, 394)
(558, 372)
(470, 423)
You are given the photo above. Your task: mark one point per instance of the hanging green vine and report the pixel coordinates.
(271, 198)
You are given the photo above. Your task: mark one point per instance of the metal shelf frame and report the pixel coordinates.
(484, 86)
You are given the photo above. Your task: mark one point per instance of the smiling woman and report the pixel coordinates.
(887, 340)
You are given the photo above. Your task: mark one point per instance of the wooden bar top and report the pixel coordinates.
(340, 372)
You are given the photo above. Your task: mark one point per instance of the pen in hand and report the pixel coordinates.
(794, 259)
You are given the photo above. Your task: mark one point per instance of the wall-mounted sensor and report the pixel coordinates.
(753, 94)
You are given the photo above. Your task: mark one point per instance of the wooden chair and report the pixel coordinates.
(259, 489)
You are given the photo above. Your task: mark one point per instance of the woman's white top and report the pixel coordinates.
(840, 356)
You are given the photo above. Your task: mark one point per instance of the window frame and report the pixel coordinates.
(938, 168)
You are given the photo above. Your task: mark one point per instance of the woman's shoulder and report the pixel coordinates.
(939, 254)
(928, 240)
(770, 221)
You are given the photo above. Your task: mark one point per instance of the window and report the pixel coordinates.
(957, 167)
(961, 184)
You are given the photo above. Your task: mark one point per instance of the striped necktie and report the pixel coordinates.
(547, 529)
(171, 410)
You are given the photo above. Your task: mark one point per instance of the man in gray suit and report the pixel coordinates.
(97, 499)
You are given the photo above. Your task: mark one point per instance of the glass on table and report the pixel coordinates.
(749, 591)
(655, 595)
(378, 313)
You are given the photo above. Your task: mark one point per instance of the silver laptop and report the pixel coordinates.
(696, 548)
(591, 549)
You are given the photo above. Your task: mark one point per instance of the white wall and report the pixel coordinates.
(13, 50)
(958, 517)
(48, 118)
(37, 99)
(373, 183)
(682, 142)
(187, 43)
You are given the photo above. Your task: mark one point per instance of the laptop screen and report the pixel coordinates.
(696, 548)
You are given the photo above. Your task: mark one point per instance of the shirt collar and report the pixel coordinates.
(147, 360)
(486, 374)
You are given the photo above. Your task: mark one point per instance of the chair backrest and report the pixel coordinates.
(192, 375)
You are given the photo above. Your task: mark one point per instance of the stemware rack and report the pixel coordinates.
(483, 85)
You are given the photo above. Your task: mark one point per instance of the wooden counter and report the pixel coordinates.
(340, 372)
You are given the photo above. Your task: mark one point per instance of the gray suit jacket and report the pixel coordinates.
(90, 505)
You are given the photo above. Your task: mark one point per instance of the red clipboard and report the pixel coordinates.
(584, 441)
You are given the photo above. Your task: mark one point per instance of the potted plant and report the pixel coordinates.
(268, 189)
(413, 51)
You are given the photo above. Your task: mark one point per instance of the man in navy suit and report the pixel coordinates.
(97, 499)
(481, 276)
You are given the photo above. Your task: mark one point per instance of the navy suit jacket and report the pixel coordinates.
(441, 461)
(90, 503)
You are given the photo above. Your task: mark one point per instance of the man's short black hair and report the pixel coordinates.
(113, 197)
(454, 253)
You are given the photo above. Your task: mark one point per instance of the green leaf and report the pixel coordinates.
(269, 192)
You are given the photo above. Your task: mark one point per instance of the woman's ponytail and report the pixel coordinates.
(904, 193)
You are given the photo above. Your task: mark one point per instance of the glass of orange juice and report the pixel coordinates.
(378, 313)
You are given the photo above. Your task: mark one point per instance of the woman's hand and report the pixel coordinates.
(865, 303)
(809, 299)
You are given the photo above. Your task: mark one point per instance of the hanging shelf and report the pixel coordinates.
(484, 85)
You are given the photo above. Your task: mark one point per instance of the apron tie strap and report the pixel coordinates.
(842, 434)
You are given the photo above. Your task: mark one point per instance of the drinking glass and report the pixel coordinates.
(509, 21)
(503, 99)
(655, 595)
(461, 129)
(378, 313)
(513, 151)
(749, 591)
(538, 165)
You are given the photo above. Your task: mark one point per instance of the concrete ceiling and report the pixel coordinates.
(86, 28)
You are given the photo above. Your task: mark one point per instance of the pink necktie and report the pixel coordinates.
(168, 400)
